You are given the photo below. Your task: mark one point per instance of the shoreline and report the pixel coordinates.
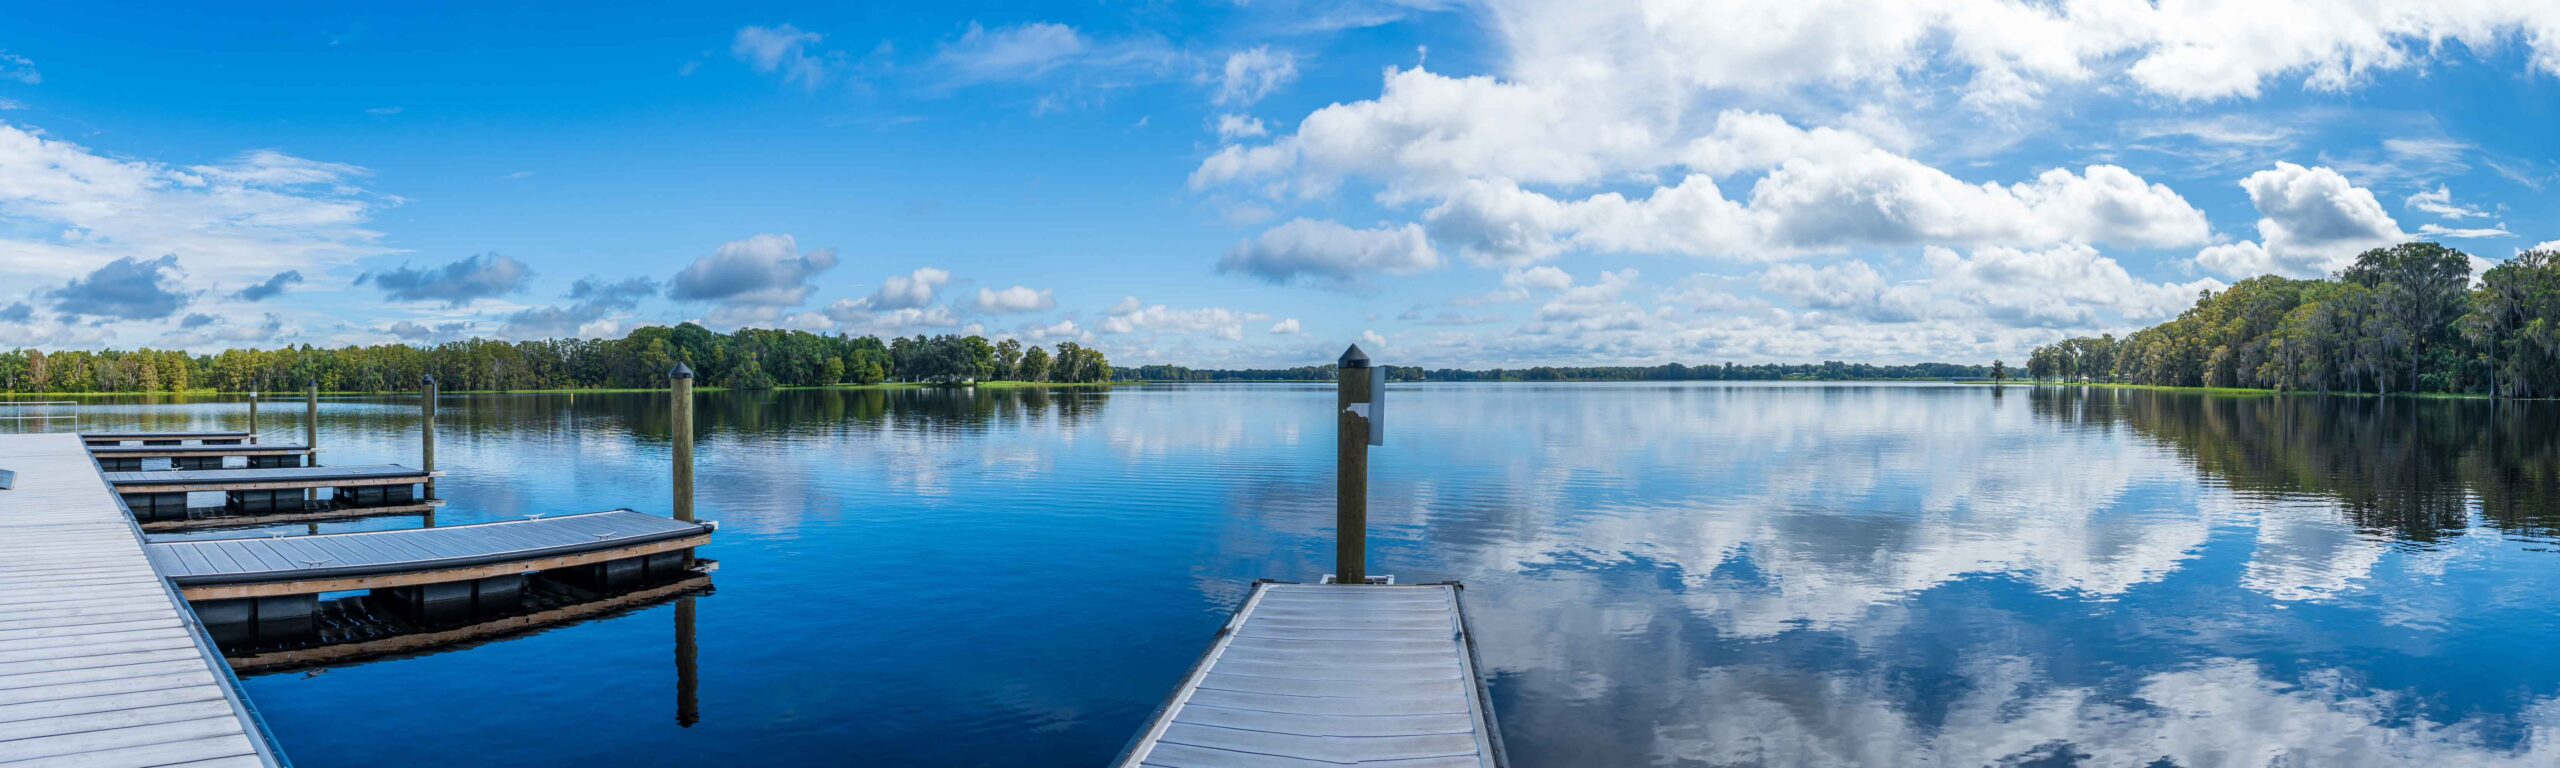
(2252, 391)
(292, 395)
(289, 396)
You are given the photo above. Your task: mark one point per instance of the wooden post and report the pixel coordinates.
(680, 394)
(427, 430)
(1351, 469)
(253, 417)
(311, 423)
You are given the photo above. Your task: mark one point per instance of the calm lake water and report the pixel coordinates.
(1657, 574)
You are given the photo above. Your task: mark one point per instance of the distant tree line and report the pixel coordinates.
(751, 358)
(2401, 319)
(1827, 371)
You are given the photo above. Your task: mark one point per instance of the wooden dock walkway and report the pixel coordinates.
(166, 438)
(101, 663)
(214, 569)
(1325, 675)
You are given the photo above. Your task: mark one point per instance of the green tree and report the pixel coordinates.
(1034, 366)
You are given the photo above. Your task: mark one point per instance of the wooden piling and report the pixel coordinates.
(253, 416)
(680, 392)
(1351, 469)
(311, 421)
(427, 430)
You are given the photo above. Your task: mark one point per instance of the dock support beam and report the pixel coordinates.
(680, 395)
(1351, 469)
(427, 431)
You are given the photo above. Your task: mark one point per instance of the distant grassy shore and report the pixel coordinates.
(2242, 391)
(296, 393)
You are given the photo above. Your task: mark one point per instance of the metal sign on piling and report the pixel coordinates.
(1359, 423)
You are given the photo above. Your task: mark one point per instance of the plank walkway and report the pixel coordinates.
(100, 662)
(1324, 675)
(114, 438)
(261, 567)
(276, 478)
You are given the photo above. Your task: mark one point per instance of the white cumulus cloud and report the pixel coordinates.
(1016, 299)
(1327, 253)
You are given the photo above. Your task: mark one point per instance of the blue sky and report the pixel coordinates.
(1476, 184)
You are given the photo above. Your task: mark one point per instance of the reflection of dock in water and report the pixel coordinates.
(354, 631)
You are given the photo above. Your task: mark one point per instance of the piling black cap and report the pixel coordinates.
(428, 380)
(1353, 358)
(682, 371)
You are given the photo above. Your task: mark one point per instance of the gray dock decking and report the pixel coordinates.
(259, 479)
(214, 562)
(1318, 675)
(101, 664)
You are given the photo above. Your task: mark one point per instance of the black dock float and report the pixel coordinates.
(166, 438)
(128, 458)
(162, 495)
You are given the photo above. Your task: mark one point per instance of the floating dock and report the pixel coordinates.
(162, 495)
(128, 458)
(101, 662)
(292, 565)
(1326, 675)
(265, 591)
(167, 438)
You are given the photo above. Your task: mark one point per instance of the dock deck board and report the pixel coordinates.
(100, 663)
(1324, 675)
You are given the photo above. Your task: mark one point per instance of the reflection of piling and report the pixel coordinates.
(680, 393)
(688, 680)
(1351, 469)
